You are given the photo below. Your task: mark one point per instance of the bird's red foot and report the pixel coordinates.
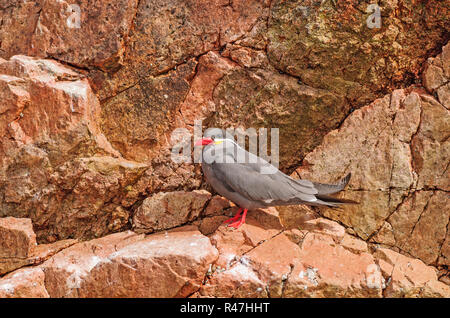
(239, 222)
(234, 218)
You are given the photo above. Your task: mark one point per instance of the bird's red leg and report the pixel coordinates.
(234, 218)
(237, 224)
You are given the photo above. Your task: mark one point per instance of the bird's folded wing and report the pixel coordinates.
(246, 179)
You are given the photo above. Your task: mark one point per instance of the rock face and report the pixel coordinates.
(91, 93)
(167, 210)
(335, 46)
(151, 61)
(48, 136)
(397, 150)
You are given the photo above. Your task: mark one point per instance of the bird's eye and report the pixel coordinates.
(213, 137)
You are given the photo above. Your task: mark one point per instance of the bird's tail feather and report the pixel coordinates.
(332, 201)
(323, 188)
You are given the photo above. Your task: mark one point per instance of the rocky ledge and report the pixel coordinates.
(272, 255)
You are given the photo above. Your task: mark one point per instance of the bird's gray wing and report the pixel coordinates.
(247, 180)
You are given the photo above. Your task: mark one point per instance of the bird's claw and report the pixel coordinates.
(238, 219)
(233, 219)
(236, 224)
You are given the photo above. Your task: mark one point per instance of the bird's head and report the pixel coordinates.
(208, 141)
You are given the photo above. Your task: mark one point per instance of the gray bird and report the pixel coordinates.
(251, 182)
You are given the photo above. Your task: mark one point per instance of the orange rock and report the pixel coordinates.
(216, 206)
(273, 260)
(53, 155)
(64, 31)
(209, 225)
(199, 101)
(40, 253)
(231, 244)
(167, 210)
(17, 238)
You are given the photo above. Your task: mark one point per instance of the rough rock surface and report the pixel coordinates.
(397, 149)
(261, 259)
(152, 61)
(167, 210)
(170, 264)
(56, 166)
(90, 93)
(17, 238)
(24, 283)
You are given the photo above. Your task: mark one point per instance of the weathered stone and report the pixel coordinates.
(40, 254)
(171, 264)
(397, 150)
(433, 77)
(57, 167)
(329, 270)
(138, 121)
(238, 281)
(410, 277)
(209, 225)
(232, 244)
(216, 206)
(294, 216)
(199, 103)
(79, 161)
(430, 146)
(353, 244)
(419, 225)
(68, 32)
(273, 100)
(24, 283)
(167, 210)
(274, 260)
(17, 238)
(331, 45)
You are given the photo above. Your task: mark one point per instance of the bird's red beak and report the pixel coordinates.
(204, 142)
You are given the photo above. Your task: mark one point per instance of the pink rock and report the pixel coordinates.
(230, 244)
(397, 150)
(433, 77)
(171, 264)
(420, 223)
(240, 280)
(408, 277)
(326, 227)
(24, 283)
(325, 269)
(274, 260)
